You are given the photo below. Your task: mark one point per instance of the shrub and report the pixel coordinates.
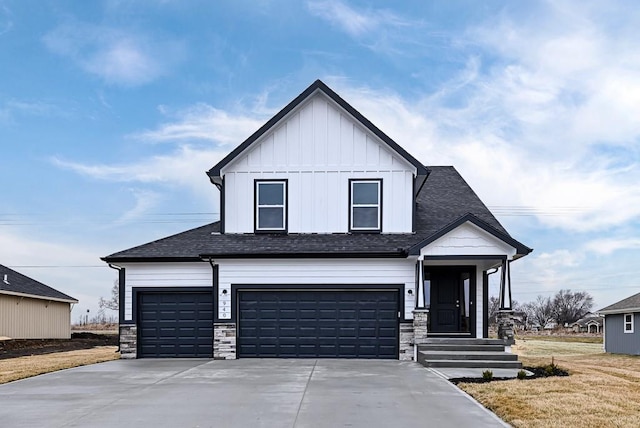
(522, 374)
(487, 375)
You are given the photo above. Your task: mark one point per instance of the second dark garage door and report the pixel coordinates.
(325, 324)
(175, 324)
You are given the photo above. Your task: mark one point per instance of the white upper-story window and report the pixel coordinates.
(365, 205)
(271, 206)
(628, 323)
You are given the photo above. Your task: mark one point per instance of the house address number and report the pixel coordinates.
(224, 302)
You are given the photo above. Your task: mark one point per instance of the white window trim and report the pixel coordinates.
(630, 324)
(283, 205)
(378, 206)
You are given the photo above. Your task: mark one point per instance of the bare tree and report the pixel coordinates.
(569, 307)
(541, 311)
(494, 307)
(113, 302)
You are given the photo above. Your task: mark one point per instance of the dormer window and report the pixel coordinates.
(271, 206)
(365, 205)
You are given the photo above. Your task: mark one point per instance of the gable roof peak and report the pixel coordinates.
(215, 172)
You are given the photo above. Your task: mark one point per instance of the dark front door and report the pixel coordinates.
(451, 300)
(318, 324)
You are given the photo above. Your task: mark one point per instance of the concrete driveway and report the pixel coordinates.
(241, 393)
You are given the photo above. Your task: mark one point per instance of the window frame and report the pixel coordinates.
(257, 206)
(353, 229)
(629, 323)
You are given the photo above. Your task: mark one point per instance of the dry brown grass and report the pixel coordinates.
(603, 390)
(23, 367)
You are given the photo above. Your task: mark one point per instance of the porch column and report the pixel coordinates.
(505, 286)
(505, 311)
(420, 303)
(421, 313)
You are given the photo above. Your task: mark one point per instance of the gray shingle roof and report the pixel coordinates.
(444, 199)
(19, 283)
(632, 302)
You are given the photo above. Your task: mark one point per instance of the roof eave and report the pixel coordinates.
(618, 311)
(307, 255)
(36, 296)
(133, 259)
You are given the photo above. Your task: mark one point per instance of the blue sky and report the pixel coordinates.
(111, 111)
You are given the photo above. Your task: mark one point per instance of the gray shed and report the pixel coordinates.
(622, 326)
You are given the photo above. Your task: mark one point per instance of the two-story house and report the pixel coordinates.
(331, 238)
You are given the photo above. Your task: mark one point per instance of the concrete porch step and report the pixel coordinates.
(469, 355)
(460, 347)
(462, 341)
(486, 364)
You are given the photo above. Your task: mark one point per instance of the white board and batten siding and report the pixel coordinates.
(320, 272)
(197, 274)
(468, 240)
(318, 147)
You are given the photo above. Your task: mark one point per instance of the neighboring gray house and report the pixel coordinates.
(31, 310)
(590, 323)
(622, 326)
(333, 241)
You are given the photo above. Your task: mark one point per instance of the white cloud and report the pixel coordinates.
(184, 167)
(607, 246)
(353, 22)
(12, 108)
(145, 201)
(543, 116)
(115, 55)
(203, 122)
(381, 30)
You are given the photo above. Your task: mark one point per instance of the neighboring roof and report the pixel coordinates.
(444, 200)
(21, 285)
(315, 86)
(630, 304)
(589, 319)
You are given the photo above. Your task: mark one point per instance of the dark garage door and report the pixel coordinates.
(325, 324)
(175, 324)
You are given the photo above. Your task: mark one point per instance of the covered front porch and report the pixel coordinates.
(453, 268)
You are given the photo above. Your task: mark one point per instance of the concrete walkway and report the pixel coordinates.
(241, 393)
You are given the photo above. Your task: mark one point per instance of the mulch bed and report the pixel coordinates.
(538, 372)
(24, 347)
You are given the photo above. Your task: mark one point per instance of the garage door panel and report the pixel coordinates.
(175, 324)
(318, 323)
